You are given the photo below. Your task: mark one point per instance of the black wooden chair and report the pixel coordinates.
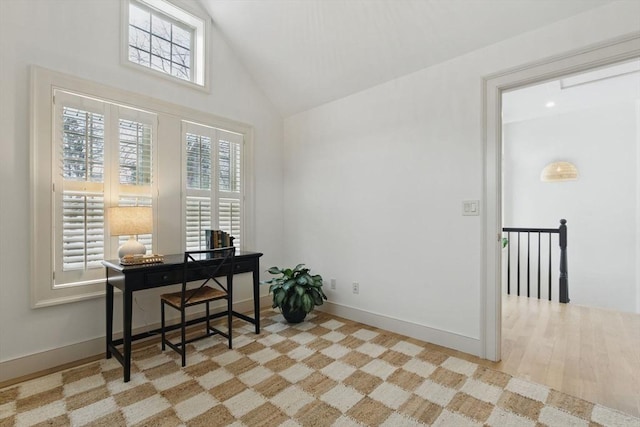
(201, 268)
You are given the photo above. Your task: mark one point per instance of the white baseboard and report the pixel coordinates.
(414, 330)
(32, 364)
(47, 360)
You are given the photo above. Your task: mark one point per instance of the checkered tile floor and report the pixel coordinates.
(326, 371)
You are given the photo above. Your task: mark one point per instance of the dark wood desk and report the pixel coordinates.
(133, 278)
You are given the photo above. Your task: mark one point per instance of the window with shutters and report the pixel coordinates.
(229, 200)
(94, 147)
(213, 186)
(165, 38)
(135, 166)
(81, 193)
(103, 158)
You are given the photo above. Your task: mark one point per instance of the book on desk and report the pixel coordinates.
(218, 239)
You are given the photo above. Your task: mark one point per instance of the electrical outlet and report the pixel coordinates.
(333, 283)
(356, 288)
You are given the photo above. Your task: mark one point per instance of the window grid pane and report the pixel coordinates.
(229, 166)
(83, 231)
(82, 145)
(158, 42)
(198, 218)
(198, 162)
(135, 153)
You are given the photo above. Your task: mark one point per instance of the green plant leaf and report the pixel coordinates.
(307, 303)
(317, 298)
(315, 282)
(294, 302)
(298, 267)
(278, 298)
(274, 270)
(288, 284)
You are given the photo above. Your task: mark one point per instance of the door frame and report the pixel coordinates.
(574, 62)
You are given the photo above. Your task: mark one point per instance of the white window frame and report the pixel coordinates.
(77, 277)
(167, 228)
(110, 188)
(182, 12)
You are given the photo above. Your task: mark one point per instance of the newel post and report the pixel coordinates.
(564, 271)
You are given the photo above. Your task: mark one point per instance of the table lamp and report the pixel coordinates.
(131, 221)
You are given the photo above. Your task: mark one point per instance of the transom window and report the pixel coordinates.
(158, 42)
(165, 38)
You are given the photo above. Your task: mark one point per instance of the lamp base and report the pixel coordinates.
(131, 247)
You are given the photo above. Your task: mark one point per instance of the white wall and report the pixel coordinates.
(600, 207)
(638, 207)
(374, 185)
(81, 38)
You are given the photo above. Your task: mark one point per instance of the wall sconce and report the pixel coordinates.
(131, 221)
(559, 171)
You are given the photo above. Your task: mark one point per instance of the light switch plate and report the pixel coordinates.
(471, 207)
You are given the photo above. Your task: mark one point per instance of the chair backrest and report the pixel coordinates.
(204, 267)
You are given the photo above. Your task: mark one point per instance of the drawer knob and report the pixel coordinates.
(165, 277)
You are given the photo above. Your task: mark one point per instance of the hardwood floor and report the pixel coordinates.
(587, 352)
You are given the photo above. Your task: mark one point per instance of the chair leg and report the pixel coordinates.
(229, 320)
(183, 335)
(162, 325)
(208, 331)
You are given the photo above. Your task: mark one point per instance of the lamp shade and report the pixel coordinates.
(130, 220)
(559, 171)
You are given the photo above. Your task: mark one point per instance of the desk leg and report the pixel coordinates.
(126, 332)
(109, 309)
(256, 294)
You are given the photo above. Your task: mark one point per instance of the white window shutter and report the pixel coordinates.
(229, 219)
(103, 157)
(79, 207)
(83, 231)
(213, 183)
(198, 219)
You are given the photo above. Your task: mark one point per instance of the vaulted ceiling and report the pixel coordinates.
(304, 53)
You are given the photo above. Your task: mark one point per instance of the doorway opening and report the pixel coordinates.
(589, 121)
(575, 373)
(596, 57)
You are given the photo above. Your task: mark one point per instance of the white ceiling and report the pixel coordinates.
(597, 88)
(304, 53)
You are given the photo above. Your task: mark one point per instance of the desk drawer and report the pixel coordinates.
(243, 266)
(162, 278)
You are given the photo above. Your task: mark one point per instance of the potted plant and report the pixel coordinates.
(295, 291)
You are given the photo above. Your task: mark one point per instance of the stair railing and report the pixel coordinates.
(562, 241)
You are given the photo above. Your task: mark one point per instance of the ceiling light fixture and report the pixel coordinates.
(559, 171)
(550, 104)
